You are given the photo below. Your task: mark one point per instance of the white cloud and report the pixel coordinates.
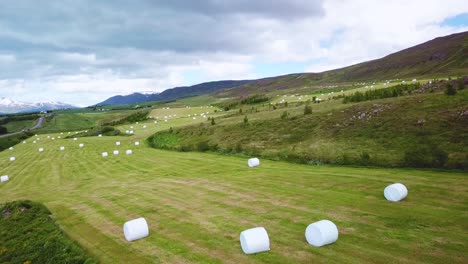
(89, 51)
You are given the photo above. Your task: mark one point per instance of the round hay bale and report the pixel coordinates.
(105, 154)
(254, 240)
(4, 178)
(12, 158)
(34, 142)
(321, 233)
(116, 152)
(62, 148)
(11, 148)
(81, 145)
(253, 162)
(137, 143)
(41, 149)
(128, 152)
(395, 192)
(100, 135)
(144, 126)
(117, 143)
(135, 229)
(75, 139)
(24, 142)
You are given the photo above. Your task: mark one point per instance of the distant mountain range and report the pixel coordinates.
(174, 93)
(9, 106)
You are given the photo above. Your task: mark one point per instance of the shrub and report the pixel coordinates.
(213, 121)
(203, 146)
(29, 233)
(246, 120)
(365, 158)
(284, 115)
(307, 109)
(450, 89)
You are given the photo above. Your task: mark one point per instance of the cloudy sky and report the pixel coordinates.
(83, 52)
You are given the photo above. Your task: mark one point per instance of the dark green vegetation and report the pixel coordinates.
(395, 91)
(28, 234)
(425, 128)
(7, 142)
(134, 117)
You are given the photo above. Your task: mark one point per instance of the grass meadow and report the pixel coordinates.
(196, 204)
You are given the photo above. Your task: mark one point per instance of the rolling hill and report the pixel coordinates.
(173, 93)
(440, 57)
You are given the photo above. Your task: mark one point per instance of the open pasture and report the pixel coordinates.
(196, 204)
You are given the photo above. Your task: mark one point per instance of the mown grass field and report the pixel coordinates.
(196, 204)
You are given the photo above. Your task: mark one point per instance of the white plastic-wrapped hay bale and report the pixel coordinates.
(131, 132)
(24, 142)
(11, 148)
(144, 126)
(81, 145)
(4, 178)
(117, 143)
(128, 152)
(253, 162)
(116, 152)
(105, 154)
(135, 229)
(131, 127)
(75, 139)
(137, 143)
(254, 240)
(62, 148)
(100, 135)
(34, 142)
(395, 192)
(41, 149)
(321, 233)
(12, 158)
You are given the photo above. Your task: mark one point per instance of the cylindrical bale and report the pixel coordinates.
(253, 162)
(11, 148)
(117, 143)
(254, 240)
(395, 192)
(75, 139)
(62, 148)
(12, 158)
(24, 142)
(144, 126)
(41, 149)
(4, 178)
(137, 143)
(81, 145)
(100, 135)
(129, 151)
(116, 152)
(321, 233)
(105, 154)
(136, 229)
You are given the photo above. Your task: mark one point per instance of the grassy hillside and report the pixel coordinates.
(196, 204)
(440, 57)
(424, 129)
(28, 234)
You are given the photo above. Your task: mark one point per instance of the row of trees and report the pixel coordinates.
(394, 91)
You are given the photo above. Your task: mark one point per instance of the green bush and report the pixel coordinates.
(28, 234)
(307, 109)
(450, 89)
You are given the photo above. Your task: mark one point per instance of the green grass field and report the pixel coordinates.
(196, 204)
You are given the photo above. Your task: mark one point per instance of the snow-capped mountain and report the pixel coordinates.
(9, 106)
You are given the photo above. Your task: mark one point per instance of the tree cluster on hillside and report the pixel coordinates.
(395, 91)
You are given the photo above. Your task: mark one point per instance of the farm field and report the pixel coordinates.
(196, 204)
